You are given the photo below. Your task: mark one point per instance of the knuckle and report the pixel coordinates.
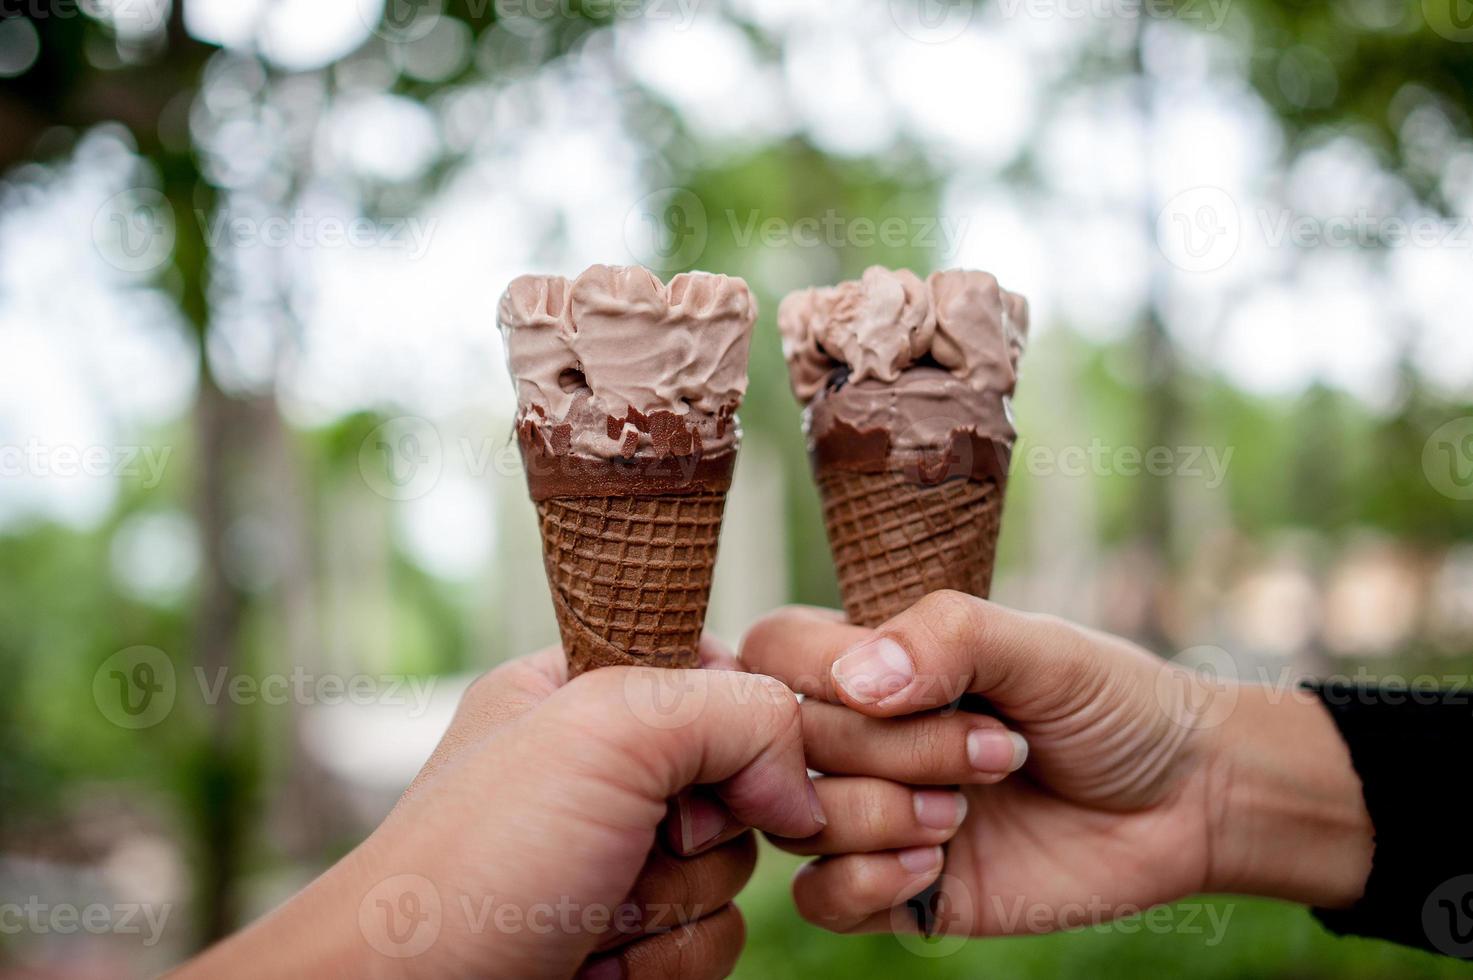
(860, 880)
(949, 614)
(874, 814)
(775, 696)
(932, 749)
(485, 690)
(762, 636)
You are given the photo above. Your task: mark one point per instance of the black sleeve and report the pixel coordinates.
(1409, 745)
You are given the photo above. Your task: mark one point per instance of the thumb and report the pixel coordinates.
(950, 644)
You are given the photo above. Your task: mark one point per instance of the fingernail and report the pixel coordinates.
(816, 805)
(874, 670)
(990, 750)
(608, 968)
(940, 809)
(920, 860)
(701, 821)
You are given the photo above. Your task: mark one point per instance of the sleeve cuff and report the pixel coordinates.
(1406, 744)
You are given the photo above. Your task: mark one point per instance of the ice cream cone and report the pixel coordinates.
(630, 576)
(627, 390)
(895, 540)
(906, 385)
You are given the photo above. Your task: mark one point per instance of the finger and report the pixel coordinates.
(879, 815)
(839, 893)
(659, 731)
(671, 892)
(933, 749)
(798, 645)
(708, 948)
(698, 821)
(950, 644)
(716, 655)
(494, 699)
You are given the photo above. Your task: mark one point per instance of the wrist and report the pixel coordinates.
(315, 933)
(1286, 816)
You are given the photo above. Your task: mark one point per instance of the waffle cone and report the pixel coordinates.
(631, 575)
(895, 540)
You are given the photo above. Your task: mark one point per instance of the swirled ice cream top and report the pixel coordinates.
(617, 363)
(919, 359)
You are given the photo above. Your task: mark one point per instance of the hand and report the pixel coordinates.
(1143, 782)
(524, 846)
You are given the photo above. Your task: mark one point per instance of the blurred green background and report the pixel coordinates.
(254, 420)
